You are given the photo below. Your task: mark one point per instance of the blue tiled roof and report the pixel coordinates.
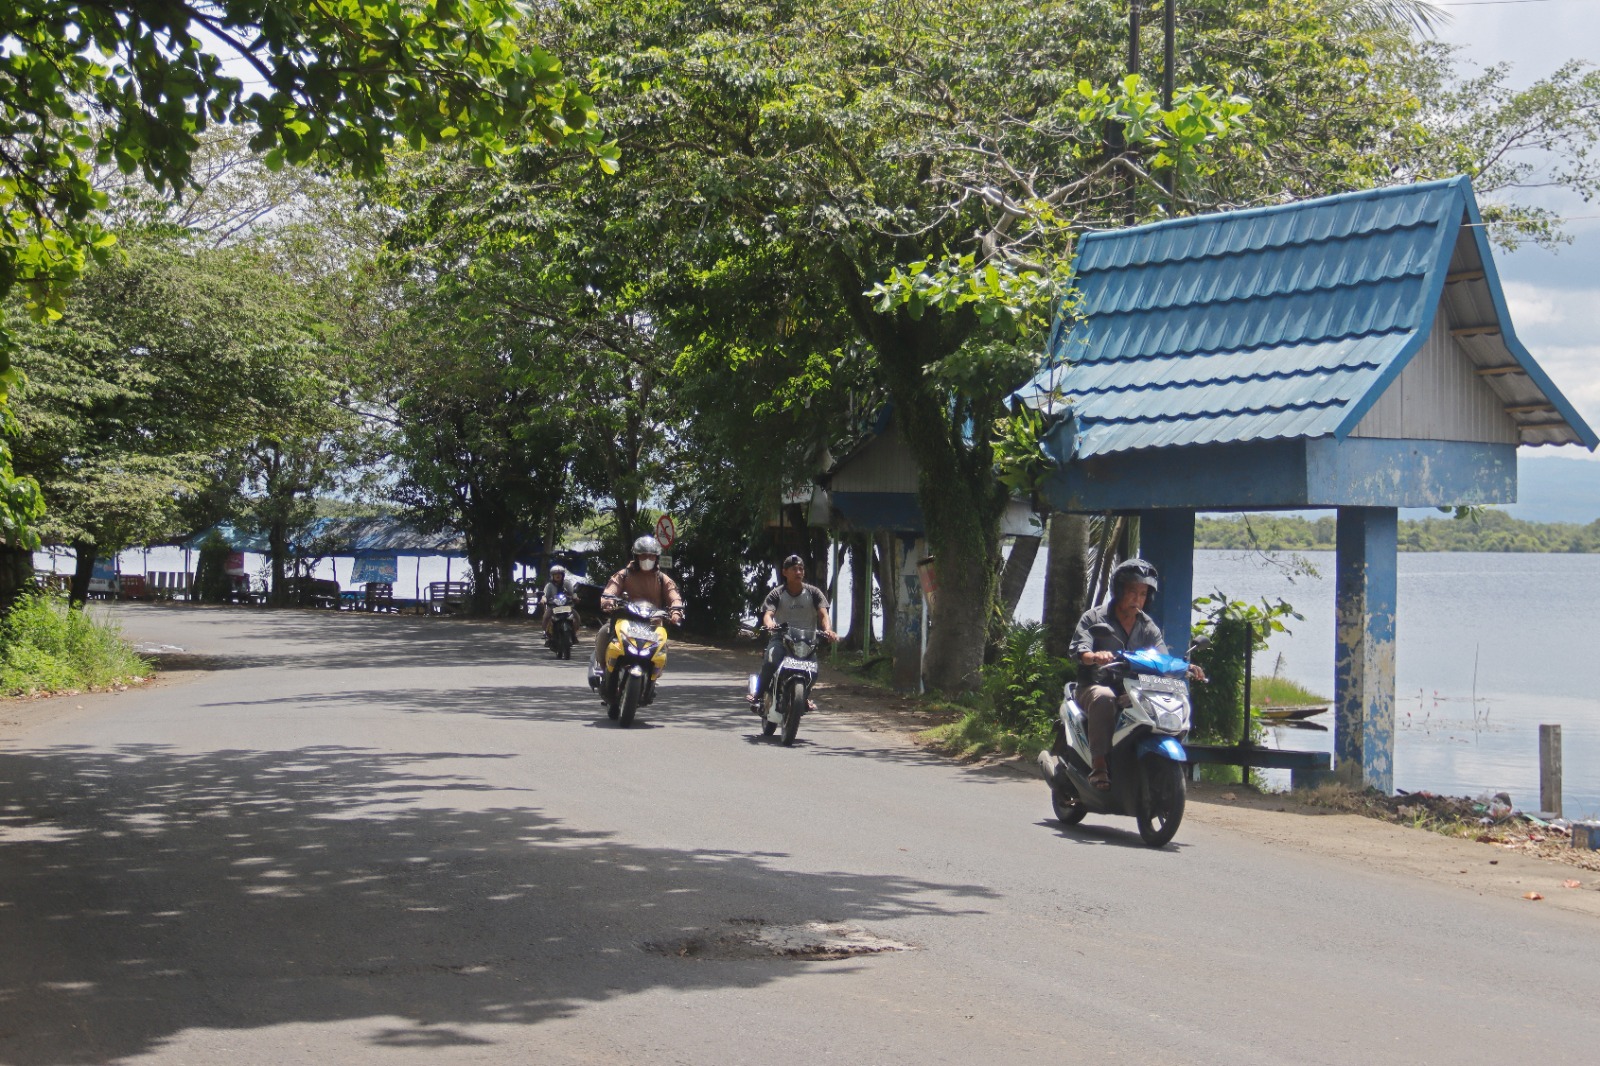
(1253, 325)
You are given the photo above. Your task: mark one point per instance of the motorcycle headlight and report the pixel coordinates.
(1171, 719)
(641, 631)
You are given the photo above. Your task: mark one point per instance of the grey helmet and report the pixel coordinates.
(647, 545)
(1133, 570)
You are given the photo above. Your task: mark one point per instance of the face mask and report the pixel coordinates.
(647, 564)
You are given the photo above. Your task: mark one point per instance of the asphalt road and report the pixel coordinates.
(356, 839)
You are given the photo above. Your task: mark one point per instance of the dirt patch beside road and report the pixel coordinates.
(1508, 867)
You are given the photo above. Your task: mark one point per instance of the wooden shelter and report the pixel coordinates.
(1352, 352)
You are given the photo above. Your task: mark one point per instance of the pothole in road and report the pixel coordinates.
(752, 938)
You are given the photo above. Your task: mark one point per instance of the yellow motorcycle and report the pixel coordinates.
(625, 674)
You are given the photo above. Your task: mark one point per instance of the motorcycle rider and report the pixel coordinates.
(797, 603)
(1119, 624)
(557, 585)
(639, 580)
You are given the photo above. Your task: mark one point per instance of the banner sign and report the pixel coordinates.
(375, 568)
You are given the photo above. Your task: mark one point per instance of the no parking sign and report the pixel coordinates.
(666, 531)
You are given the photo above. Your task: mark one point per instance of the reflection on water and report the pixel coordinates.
(1488, 647)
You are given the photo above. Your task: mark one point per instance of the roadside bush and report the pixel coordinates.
(1015, 708)
(1024, 683)
(1237, 629)
(46, 647)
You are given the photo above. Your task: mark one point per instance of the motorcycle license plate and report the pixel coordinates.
(1160, 684)
(798, 664)
(559, 611)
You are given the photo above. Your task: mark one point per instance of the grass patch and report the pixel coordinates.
(1274, 691)
(876, 669)
(976, 733)
(44, 647)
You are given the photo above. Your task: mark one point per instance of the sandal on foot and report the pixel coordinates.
(1100, 780)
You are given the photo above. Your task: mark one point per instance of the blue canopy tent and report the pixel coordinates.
(373, 538)
(1352, 352)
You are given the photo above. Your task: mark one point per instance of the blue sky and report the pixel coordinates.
(1554, 296)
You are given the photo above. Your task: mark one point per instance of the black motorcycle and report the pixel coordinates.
(788, 697)
(563, 625)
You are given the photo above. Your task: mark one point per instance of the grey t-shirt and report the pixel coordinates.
(1099, 630)
(799, 611)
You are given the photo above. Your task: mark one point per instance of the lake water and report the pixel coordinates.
(1488, 647)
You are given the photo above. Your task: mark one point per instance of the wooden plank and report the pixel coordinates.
(1474, 331)
(1262, 758)
(1463, 275)
(1491, 371)
(1528, 408)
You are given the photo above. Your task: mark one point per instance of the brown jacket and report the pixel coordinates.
(650, 585)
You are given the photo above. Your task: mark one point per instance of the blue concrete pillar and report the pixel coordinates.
(1166, 538)
(1363, 654)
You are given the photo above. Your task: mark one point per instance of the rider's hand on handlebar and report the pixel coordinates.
(1098, 658)
(1195, 673)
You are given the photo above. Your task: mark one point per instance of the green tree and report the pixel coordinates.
(168, 355)
(137, 84)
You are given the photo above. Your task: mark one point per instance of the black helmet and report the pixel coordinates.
(1134, 570)
(647, 545)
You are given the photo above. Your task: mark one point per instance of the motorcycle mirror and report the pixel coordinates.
(1200, 644)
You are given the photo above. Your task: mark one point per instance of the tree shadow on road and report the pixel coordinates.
(146, 891)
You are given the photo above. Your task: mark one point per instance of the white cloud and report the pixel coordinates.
(1535, 305)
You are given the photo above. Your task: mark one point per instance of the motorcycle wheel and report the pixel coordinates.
(1161, 798)
(794, 705)
(632, 690)
(1064, 802)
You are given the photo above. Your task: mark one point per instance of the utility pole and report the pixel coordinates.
(1130, 216)
(1169, 34)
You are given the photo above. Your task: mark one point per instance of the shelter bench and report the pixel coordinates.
(1302, 764)
(447, 596)
(167, 584)
(378, 596)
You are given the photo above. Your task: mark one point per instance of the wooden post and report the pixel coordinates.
(1550, 769)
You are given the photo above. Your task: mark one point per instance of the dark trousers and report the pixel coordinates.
(769, 665)
(1099, 705)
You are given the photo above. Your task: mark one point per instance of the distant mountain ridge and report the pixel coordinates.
(1556, 489)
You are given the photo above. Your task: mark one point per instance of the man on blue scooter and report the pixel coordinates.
(1119, 624)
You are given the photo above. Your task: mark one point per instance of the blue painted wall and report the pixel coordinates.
(1364, 646)
(1267, 475)
(1166, 539)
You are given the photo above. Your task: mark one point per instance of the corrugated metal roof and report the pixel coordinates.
(379, 535)
(1277, 322)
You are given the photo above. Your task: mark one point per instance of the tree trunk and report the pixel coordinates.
(82, 572)
(16, 575)
(888, 587)
(278, 549)
(961, 504)
(1066, 581)
(859, 638)
(1013, 579)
